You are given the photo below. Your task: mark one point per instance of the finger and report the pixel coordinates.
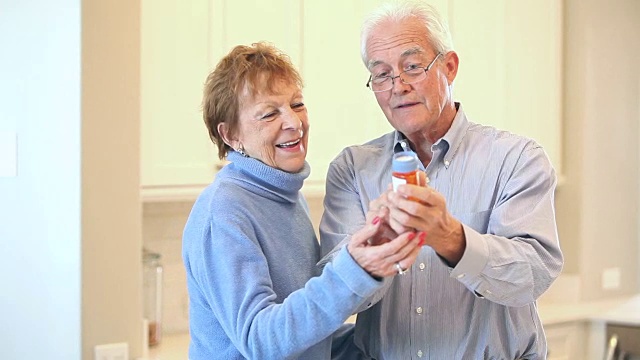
(422, 194)
(404, 253)
(403, 209)
(360, 237)
(423, 179)
(411, 257)
(387, 250)
(395, 225)
(383, 199)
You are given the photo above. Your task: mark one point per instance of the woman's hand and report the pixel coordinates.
(389, 258)
(380, 208)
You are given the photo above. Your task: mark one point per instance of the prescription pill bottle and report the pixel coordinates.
(404, 169)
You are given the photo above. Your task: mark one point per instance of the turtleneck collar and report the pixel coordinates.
(270, 180)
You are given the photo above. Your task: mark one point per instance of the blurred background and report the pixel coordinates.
(103, 149)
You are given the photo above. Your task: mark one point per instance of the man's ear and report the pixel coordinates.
(451, 63)
(223, 130)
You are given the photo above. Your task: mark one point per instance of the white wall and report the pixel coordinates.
(40, 209)
(111, 209)
(599, 203)
(70, 222)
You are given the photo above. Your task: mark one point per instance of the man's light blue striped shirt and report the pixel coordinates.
(501, 187)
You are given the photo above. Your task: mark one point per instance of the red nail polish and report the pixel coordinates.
(375, 220)
(412, 235)
(422, 236)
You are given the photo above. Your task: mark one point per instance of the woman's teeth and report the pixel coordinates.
(289, 144)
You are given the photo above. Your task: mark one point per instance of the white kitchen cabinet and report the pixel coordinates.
(566, 341)
(177, 156)
(181, 44)
(510, 67)
(509, 76)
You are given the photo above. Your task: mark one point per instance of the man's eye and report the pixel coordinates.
(412, 67)
(297, 105)
(381, 75)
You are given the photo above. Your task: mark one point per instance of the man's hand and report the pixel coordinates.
(428, 214)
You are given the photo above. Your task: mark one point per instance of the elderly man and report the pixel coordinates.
(488, 212)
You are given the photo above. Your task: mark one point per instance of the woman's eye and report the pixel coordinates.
(268, 116)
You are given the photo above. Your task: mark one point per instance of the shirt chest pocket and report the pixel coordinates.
(477, 220)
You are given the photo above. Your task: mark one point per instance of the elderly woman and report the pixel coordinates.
(249, 247)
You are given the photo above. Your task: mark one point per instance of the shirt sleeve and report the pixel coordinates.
(343, 215)
(233, 275)
(519, 256)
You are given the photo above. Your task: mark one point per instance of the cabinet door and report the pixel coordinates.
(509, 74)
(510, 63)
(175, 148)
(181, 43)
(342, 111)
(245, 22)
(566, 341)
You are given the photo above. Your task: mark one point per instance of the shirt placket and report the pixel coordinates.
(420, 337)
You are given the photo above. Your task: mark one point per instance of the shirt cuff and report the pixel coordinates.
(474, 259)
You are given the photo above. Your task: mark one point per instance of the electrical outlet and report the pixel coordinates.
(116, 351)
(611, 278)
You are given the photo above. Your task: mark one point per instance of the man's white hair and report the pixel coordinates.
(436, 26)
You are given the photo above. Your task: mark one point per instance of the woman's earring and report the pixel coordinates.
(240, 151)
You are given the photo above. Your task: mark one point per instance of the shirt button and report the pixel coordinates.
(419, 310)
(446, 163)
(421, 266)
(419, 353)
(460, 276)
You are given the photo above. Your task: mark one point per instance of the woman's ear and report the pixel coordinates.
(223, 130)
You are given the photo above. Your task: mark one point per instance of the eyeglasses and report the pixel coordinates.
(411, 76)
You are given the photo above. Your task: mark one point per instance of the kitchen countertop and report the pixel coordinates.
(617, 310)
(625, 310)
(171, 347)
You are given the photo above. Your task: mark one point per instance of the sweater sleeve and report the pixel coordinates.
(232, 272)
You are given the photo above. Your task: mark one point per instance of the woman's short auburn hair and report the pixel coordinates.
(256, 69)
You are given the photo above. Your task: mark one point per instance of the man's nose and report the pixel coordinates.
(398, 85)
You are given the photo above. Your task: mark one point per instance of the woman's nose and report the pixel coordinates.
(291, 120)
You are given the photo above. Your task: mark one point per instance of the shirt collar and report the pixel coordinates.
(453, 137)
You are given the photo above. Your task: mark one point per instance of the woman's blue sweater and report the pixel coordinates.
(250, 254)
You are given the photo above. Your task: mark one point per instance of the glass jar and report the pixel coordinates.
(152, 294)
